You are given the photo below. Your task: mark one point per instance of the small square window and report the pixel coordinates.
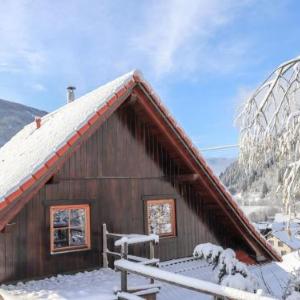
(161, 217)
(69, 228)
(280, 244)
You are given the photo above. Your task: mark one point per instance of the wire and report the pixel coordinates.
(220, 147)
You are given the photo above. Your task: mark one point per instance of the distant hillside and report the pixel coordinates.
(258, 188)
(13, 117)
(219, 164)
(257, 193)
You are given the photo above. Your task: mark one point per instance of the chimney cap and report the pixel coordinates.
(70, 93)
(71, 88)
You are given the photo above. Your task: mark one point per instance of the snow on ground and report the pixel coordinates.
(100, 284)
(252, 208)
(273, 277)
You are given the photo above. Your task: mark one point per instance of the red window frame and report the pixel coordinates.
(87, 229)
(170, 202)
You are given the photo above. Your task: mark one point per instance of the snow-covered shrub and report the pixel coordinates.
(209, 252)
(229, 270)
(238, 281)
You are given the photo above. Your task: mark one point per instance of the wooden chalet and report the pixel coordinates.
(113, 156)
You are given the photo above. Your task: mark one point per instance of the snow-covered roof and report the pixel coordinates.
(277, 226)
(31, 148)
(289, 237)
(262, 225)
(281, 218)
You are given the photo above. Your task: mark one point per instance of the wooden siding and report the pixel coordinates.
(123, 163)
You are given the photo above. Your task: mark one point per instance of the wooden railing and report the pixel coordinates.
(123, 241)
(187, 282)
(132, 239)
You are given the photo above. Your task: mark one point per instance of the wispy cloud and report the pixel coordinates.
(38, 87)
(170, 36)
(69, 42)
(178, 35)
(18, 51)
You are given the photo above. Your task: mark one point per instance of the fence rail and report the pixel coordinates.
(186, 282)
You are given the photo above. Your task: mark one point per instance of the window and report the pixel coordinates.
(280, 244)
(160, 217)
(283, 252)
(271, 242)
(70, 228)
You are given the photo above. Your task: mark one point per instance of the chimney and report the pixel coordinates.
(38, 121)
(70, 93)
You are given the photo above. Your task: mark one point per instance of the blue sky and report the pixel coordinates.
(203, 57)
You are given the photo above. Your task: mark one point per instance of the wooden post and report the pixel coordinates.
(151, 256)
(124, 254)
(105, 249)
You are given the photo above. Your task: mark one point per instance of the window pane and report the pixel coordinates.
(61, 218)
(70, 228)
(77, 237)
(166, 228)
(160, 218)
(61, 238)
(77, 217)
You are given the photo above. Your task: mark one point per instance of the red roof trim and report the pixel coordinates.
(60, 152)
(3, 204)
(73, 139)
(13, 196)
(42, 171)
(27, 184)
(84, 129)
(93, 119)
(52, 160)
(103, 109)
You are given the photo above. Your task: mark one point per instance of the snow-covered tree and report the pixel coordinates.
(292, 291)
(264, 190)
(270, 128)
(229, 270)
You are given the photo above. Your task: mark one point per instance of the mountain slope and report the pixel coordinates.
(258, 188)
(219, 164)
(13, 117)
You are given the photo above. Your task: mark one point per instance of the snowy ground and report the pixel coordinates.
(100, 284)
(253, 208)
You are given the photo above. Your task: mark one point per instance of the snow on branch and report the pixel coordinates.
(270, 128)
(230, 271)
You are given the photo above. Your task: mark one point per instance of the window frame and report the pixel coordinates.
(170, 200)
(280, 244)
(87, 228)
